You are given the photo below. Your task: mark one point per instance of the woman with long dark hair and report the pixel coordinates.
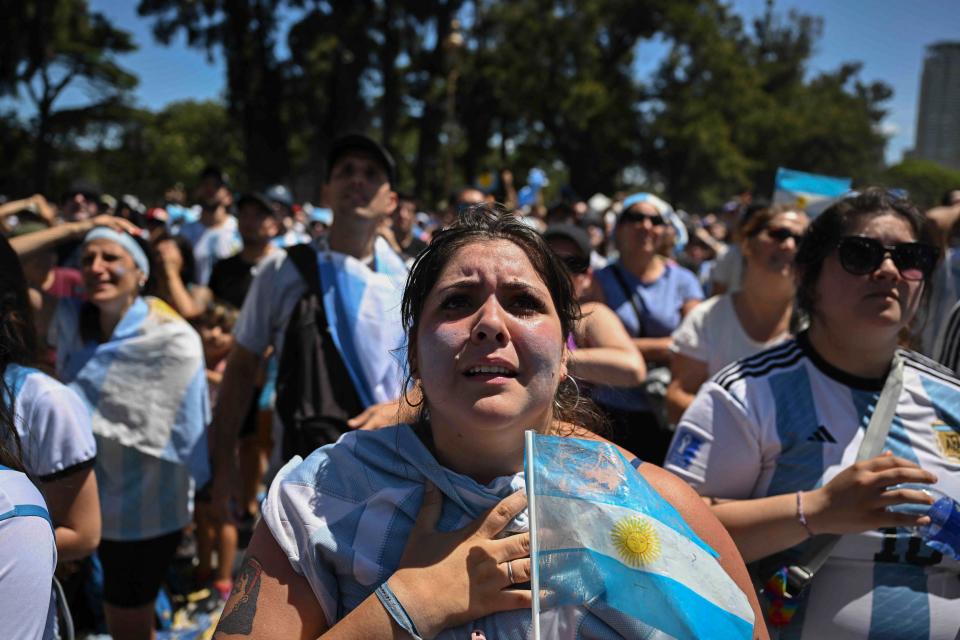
(57, 445)
(422, 528)
(28, 553)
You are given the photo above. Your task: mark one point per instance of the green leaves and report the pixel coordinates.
(547, 83)
(50, 45)
(732, 106)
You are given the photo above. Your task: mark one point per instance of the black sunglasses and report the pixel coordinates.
(781, 235)
(860, 256)
(576, 264)
(629, 216)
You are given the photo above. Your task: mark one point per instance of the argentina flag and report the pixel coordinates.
(603, 540)
(146, 386)
(810, 192)
(363, 319)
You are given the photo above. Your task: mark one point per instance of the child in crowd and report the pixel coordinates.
(215, 326)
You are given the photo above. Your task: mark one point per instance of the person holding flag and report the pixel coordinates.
(422, 530)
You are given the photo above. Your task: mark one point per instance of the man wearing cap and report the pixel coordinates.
(362, 279)
(214, 236)
(258, 224)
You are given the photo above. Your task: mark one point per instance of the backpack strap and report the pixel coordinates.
(304, 258)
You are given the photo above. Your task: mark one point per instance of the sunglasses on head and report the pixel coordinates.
(782, 234)
(629, 216)
(576, 264)
(860, 255)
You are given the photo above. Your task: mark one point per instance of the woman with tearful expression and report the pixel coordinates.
(424, 526)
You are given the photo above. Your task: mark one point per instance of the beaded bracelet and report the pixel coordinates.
(800, 515)
(389, 600)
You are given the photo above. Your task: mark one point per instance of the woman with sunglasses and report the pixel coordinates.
(735, 325)
(651, 295)
(774, 439)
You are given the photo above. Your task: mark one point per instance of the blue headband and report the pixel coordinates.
(126, 241)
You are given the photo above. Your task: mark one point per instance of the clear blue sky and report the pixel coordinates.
(888, 36)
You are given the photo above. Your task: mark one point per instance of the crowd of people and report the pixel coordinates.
(343, 391)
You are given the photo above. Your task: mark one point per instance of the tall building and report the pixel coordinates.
(938, 118)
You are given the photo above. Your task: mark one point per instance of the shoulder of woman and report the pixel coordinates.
(674, 490)
(708, 308)
(678, 493)
(594, 311)
(931, 368)
(37, 386)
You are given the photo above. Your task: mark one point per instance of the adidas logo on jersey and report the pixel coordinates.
(822, 435)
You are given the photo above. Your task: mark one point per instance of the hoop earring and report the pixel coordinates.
(577, 387)
(576, 403)
(407, 400)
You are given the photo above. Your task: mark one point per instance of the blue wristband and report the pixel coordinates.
(390, 602)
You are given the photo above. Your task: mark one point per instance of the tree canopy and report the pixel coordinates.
(456, 88)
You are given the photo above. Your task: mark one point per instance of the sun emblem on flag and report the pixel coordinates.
(636, 541)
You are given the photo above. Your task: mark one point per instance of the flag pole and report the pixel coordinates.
(529, 437)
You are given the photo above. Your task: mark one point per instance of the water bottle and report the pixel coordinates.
(943, 532)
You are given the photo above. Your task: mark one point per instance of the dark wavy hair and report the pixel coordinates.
(18, 345)
(484, 223)
(837, 221)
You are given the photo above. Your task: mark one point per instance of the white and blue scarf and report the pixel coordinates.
(363, 314)
(146, 386)
(343, 517)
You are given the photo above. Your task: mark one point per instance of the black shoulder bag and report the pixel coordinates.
(315, 394)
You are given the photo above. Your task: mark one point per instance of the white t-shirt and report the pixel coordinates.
(28, 557)
(712, 333)
(274, 292)
(53, 424)
(783, 421)
(211, 244)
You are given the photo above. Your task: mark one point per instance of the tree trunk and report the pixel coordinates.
(44, 149)
(426, 172)
(390, 104)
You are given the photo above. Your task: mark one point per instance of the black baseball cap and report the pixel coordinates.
(361, 142)
(570, 232)
(217, 173)
(90, 190)
(258, 199)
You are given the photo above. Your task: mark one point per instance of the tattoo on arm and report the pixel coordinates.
(237, 617)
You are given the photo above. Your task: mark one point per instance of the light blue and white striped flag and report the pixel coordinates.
(810, 192)
(603, 539)
(146, 386)
(363, 317)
